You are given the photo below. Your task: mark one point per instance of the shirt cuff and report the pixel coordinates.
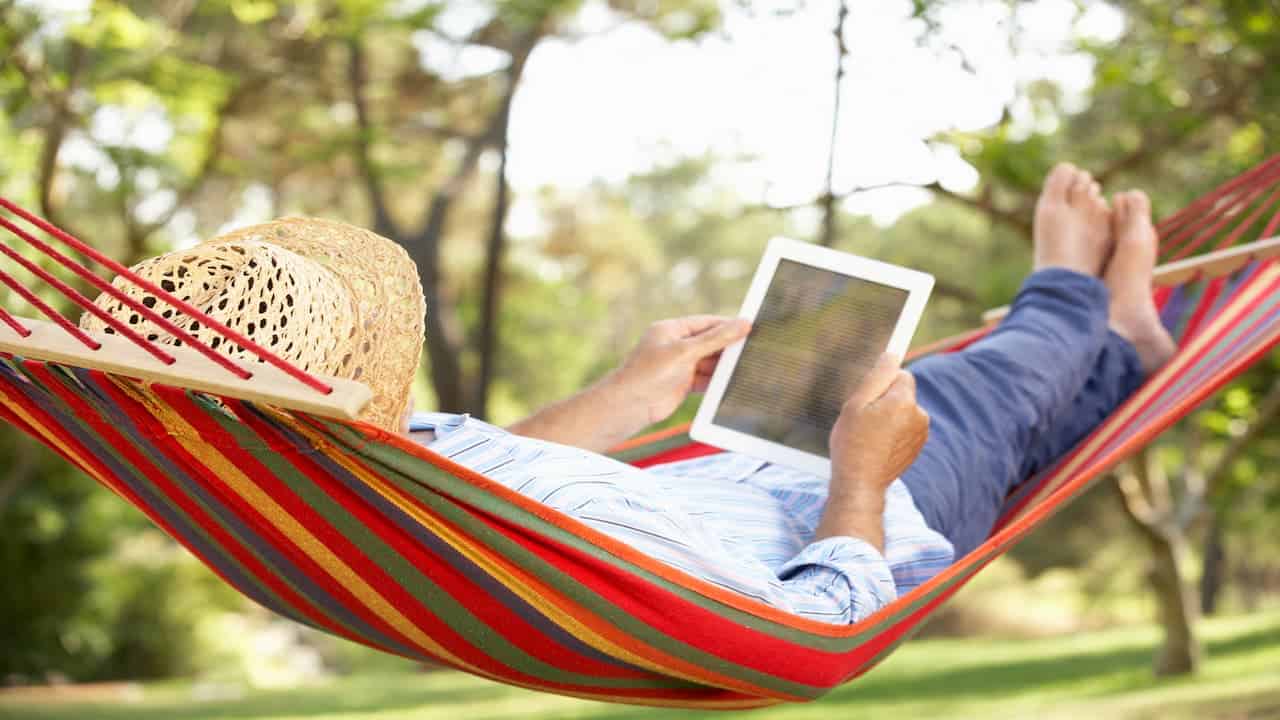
(440, 423)
(852, 572)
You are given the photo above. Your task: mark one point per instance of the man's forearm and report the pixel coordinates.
(595, 419)
(857, 512)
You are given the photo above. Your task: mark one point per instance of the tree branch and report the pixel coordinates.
(1162, 137)
(828, 199)
(1194, 488)
(1268, 411)
(1018, 220)
(1015, 220)
(357, 76)
(1131, 492)
(448, 133)
(55, 133)
(943, 288)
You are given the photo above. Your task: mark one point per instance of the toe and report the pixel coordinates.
(1079, 191)
(1138, 215)
(1141, 204)
(1058, 182)
(1097, 201)
(1119, 209)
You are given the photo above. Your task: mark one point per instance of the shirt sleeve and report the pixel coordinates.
(837, 580)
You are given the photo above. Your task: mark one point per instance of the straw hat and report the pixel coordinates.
(332, 298)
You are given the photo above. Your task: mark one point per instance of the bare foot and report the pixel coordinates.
(1132, 313)
(1072, 222)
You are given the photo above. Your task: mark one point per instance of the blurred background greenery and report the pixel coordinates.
(565, 172)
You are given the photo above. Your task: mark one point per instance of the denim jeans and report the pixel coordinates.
(1010, 404)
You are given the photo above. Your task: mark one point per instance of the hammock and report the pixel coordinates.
(371, 537)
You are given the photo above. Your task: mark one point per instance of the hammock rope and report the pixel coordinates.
(366, 535)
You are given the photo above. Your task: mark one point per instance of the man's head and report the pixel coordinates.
(331, 298)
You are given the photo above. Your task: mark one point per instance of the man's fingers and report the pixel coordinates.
(707, 365)
(877, 381)
(901, 392)
(692, 325)
(719, 337)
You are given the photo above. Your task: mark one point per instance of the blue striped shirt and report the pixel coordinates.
(729, 519)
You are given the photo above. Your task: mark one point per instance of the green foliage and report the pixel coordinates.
(90, 591)
(53, 532)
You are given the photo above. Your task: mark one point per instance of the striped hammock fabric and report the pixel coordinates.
(368, 536)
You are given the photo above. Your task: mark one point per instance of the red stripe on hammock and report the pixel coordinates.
(332, 538)
(88, 461)
(684, 452)
(19, 398)
(1211, 292)
(161, 436)
(169, 488)
(676, 618)
(475, 598)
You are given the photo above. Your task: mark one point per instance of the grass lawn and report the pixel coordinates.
(1095, 676)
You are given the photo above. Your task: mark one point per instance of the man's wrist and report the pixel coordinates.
(859, 515)
(857, 489)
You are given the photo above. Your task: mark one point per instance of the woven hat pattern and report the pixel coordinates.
(332, 298)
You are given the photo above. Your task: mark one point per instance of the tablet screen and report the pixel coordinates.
(816, 335)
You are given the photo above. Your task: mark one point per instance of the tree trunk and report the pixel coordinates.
(495, 248)
(1181, 651)
(443, 341)
(442, 338)
(1214, 567)
(1144, 488)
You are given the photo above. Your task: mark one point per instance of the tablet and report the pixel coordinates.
(821, 318)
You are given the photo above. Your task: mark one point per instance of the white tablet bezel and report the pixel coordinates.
(917, 284)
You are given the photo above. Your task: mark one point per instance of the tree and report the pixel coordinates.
(1181, 101)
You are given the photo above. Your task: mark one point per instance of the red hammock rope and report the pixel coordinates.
(83, 301)
(1223, 219)
(52, 314)
(160, 294)
(12, 322)
(1187, 230)
(1196, 210)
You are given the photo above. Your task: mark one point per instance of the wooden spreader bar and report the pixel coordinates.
(191, 370)
(1208, 265)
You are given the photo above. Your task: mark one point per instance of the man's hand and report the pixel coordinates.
(881, 429)
(880, 432)
(676, 357)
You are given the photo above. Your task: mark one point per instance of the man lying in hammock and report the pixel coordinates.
(898, 508)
